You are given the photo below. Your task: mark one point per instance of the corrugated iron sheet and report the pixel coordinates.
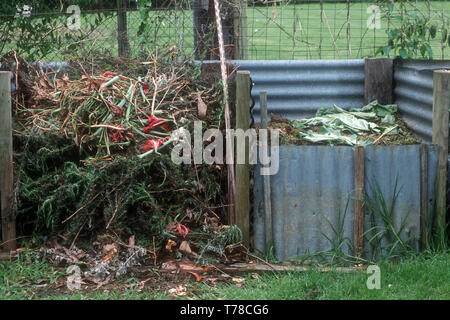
(413, 93)
(314, 190)
(396, 170)
(297, 88)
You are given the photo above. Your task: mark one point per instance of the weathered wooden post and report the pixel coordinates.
(441, 105)
(266, 179)
(378, 85)
(242, 196)
(205, 35)
(240, 30)
(6, 164)
(122, 36)
(379, 75)
(423, 196)
(359, 201)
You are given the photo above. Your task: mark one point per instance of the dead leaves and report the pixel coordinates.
(178, 291)
(201, 108)
(170, 244)
(109, 251)
(186, 248)
(197, 277)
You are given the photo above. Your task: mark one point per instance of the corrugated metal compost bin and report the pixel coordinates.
(312, 196)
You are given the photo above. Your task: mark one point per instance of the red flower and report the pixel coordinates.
(182, 230)
(154, 122)
(292, 131)
(152, 144)
(117, 135)
(109, 74)
(145, 87)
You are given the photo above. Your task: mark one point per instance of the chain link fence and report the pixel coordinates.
(254, 29)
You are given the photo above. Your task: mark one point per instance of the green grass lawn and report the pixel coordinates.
(275, 31)
(420, 276)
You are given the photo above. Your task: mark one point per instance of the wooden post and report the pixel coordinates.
(6, 164)
(359, 201)
(122, 36)
(240, 30)
(378, 80)
(266, 180)
(441, 105)
(423, 195)
(242, 196)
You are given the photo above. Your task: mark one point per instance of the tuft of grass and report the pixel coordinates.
(22, 278)
(385, 239)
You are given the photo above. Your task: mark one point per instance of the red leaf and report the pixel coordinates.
(109, 74)
(155, 122)
(152, 144)
(145, 87)
(182, 230)
(197, 277)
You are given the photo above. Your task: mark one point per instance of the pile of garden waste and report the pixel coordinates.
(373, 124)
(92, 162)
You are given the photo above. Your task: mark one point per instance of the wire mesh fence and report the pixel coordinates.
(315, 29)
(254, 29)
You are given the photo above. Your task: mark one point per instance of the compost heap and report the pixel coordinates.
(373, 124)
(93, 167)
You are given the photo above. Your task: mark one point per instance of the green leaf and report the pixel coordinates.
(423, 50)
(432, 31)
(429, 50)
(386, 50)
(393, 34)
(403, 53)
(379, 51)
(390, 6)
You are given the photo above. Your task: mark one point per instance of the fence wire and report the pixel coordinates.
(315, 29)
(254, 29)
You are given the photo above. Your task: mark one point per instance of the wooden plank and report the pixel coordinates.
(423, 195)
(240, 29)
(359, 201)
(378, 80)
(244, 268)
(6, 164)
(122, 29)
(242, 177)
(266, 180)
(6, 256)
(259, 267)
(441, 105)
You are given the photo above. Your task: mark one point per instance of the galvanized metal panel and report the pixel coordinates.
(297, 88)
(315, 183)
(396, 170)
(414, 93)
